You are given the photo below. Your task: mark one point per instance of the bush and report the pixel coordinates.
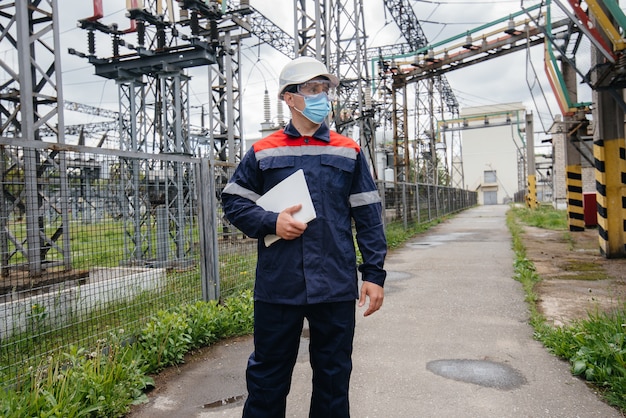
(105, 382)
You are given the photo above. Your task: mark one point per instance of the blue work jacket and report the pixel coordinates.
(320, 266)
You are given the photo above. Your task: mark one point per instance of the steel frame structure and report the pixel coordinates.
(322, 26)
(429, 158)
(29, 102)
(154, 118)
(225, 124)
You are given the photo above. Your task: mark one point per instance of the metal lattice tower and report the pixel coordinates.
(354, 110)
(322, 26)
(356, 107)
(30, 100)
(154, 118)
(429, 111)
(311, 23)
(225, 122)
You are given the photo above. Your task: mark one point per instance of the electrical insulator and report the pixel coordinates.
(160, 38)
(91, 42)
(141, 33)
(368, 96)
(194, 24)
(215, 33)
(116, 46)
(266, 106)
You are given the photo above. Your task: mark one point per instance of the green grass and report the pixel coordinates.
(543, 217)
(105, 382)
(594, 347)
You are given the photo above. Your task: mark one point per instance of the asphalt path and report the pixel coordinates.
(451, 340)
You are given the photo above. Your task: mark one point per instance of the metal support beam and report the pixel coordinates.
(30, 102)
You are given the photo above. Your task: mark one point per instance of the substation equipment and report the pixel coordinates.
(379, 87)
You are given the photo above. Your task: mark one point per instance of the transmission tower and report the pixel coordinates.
(322, 26)
(435, 101)
(30, 99)
(154, 118)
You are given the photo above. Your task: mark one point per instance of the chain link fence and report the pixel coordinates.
(94, 241)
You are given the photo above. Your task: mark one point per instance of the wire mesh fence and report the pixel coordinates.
(94, 241)
(412, 203)
(91, 243)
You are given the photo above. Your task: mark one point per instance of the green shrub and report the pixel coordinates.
(545, 217)
(165, 340)
(106, 381)
(103, 383)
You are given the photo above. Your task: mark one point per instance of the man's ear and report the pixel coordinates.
(288, 98)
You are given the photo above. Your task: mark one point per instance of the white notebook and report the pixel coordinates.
(293, 190)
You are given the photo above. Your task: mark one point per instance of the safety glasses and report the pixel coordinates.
(313, 87)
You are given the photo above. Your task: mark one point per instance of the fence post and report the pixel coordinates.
(405, 205)
(207, 222)
(417, 203)
(381, 191)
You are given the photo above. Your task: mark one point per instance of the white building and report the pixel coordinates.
(492, 150)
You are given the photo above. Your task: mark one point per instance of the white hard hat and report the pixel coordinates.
(303, 69)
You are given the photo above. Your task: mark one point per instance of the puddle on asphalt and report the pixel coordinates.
(421, 244)
(224, 402)
(434, 240)
(479, 372)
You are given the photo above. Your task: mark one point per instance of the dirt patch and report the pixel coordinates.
(577, 280)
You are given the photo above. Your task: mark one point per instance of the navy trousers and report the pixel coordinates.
(277, 331)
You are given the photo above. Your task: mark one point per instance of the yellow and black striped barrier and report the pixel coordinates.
(574, 185)
(610, 162)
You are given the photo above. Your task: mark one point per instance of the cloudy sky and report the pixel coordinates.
(503, 80)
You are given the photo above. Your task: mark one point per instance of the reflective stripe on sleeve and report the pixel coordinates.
(306, 150)
(365, 198)
(234, 188)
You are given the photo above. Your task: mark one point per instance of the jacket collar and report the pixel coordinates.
(322, 133)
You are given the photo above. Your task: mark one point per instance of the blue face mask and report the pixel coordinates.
(316, 107)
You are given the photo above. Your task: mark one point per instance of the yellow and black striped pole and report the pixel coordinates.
(610, 161)
(531, 197)
(574, 195)
(573, 167)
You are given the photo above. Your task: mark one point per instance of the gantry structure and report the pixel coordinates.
(335, 33)
(433, 101)
(602, 23)
(153, 93)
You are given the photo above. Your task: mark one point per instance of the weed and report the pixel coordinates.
(107, 380)
(595, 347)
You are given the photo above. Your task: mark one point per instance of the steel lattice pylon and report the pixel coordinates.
(225, 124)
(334, 32)
(154, 196)
(429, 162)
(354, 109)
(30, 100)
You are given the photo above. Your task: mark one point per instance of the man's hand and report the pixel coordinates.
(376, 295)
(286, 226)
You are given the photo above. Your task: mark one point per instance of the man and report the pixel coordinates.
(312, 271)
